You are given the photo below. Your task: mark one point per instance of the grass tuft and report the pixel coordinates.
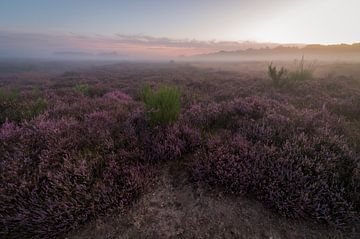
(302, 72)
(281, 76)
(162, 105)
(82, 89)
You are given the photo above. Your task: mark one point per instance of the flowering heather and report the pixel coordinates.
(58, 173)
(164, 142)
(169, 142)
(78, 159)
(69, 154)
(118, 95)
(291, 160)
(17, 107)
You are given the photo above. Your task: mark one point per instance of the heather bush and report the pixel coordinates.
(164, 142)
(169, 142)
(70, 154)
(297, 179)
(78, 106)
(58, 173)
(118, 95)
(80, 158)
(293, 161)
(349, 108)
(162, 105)
(213, 116)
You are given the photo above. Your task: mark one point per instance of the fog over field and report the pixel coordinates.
(179, 119)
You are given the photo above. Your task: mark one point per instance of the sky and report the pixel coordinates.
(171, 27)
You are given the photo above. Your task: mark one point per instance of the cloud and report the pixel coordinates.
(191, 43)
(136, 46)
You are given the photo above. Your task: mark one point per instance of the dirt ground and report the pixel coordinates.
(174, 208)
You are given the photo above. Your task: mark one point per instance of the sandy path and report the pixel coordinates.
(175, 209)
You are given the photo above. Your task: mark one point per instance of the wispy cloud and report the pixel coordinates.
(137, 46)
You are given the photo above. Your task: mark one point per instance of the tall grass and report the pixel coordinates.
(162, 105)
(302, 72)
(282, 76)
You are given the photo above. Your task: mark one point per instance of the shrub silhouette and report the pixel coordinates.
(282, 76)
(277, 75)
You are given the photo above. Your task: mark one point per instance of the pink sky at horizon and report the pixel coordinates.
(160, 28)
(129, 45)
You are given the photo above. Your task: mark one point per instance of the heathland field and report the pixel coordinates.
(179, 150)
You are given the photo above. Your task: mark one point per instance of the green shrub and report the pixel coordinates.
(35, 109)
(162, 105)
(84, 89)
(14, 108)
(278, 77)
(282, 76)
(145, 93)
(302, 72)
(9, 105)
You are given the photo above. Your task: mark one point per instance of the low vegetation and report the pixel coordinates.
(278, 76)
(8, 105)
(90, 91)
(67, 157)
(302, 72)
(82, 89)
(15, 107)
(284, 157)
(162, 105)
(282, 77)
